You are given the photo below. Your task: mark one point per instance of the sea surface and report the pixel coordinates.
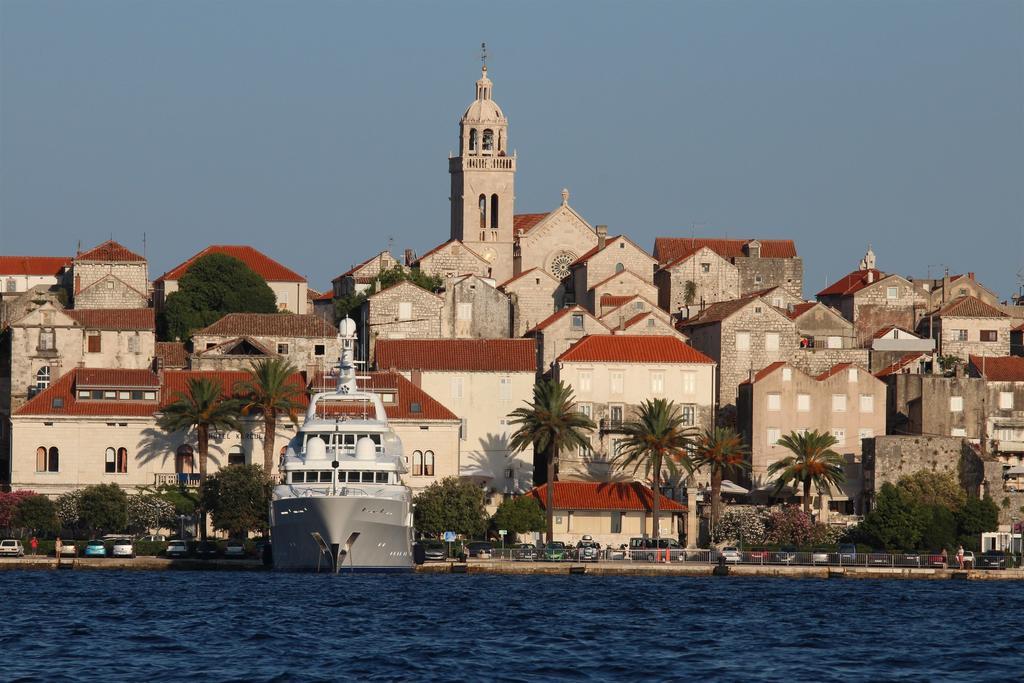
(237, 626)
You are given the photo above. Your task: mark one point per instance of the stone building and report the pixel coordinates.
(402, 311)
(481, 381)
(966, 326)
(871, 300)
(614, 311)
(612, 375)
(760, 264)
(451, 259)
(1017, 340)
(623, 284)
(935, 293)
(19, 274)
(893, 349)
(609, 257)
(696, 278)
(826, 339)
(110, 276)
(358, 278)
(170, 356)
(552, 241)
(533, 296)
(238, 340)
(648, 323)
(474, 308)
(846, 401)
(1003, 406)
(925, 404)
(561, 330)
(743, 336)
(288, 286)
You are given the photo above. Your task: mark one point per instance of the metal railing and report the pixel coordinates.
(189, 481)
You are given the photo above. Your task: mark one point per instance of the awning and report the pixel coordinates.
(477, 473)
(733, 489)
(1019, 469)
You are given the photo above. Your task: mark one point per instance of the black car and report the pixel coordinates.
(879, 559)
(206, 550)
(909, 558)
(525, 552)
(848, 553)
(588, 551)
(991, 559)
(435, 551)
(481, 549)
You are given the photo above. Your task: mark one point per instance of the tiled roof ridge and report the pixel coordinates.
(281, 273)
(632, 348)
(110, 251)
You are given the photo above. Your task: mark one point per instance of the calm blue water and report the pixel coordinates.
(159, 626)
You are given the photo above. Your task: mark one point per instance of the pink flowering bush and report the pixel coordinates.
(9, 503)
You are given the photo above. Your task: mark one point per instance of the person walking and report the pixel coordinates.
(960, 556)
(57, 548)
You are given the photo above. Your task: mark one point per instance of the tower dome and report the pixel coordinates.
(483, 109)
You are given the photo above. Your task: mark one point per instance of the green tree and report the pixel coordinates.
(38, 514)
(147, 512)
(657, 441)
(940, 528)
(103, 507)
(719, 450)
(213, 286)
(270, 392)
(451, 504)
(813, 462)
(519, 515)
(237, 498)
(896, 522)
(550, 424)
(204, 407)
(933, 488)
(344, 305)
(976, 516)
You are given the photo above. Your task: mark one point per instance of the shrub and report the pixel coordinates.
(104, 507)
(37, 514)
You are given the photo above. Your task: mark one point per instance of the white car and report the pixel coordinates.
(122, 547)
(68, 549)
(731, 553)
(12, 547)
(819, 557)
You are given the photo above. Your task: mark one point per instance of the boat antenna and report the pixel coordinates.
(346, 361)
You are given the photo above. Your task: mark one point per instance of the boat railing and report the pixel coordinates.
(357, 491)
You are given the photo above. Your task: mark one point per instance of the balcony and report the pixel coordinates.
(482, 163)
(611, 424)
(188, 481)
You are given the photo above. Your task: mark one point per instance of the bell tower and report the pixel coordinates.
(483, 181)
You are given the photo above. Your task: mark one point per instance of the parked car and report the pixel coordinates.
(992, 559)
(760, 556)
(207, 550)
(731, 553)
(95, 548)
(935, 559)
(122, 547)
(11, 547)
(969, 559)
(554, 551)
(587, 550)
(786, 555)
(907, 558)
(879, 559)
(152, 538)
(847, 553)
(642, 548)
(524, 552)
(178, 548)
(480, 549)
(67, 549)
(234, 549)
(819, 556)
(434, 551)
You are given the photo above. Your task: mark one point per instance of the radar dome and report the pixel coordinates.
(316, 449)
(347, 327)
(366, 449)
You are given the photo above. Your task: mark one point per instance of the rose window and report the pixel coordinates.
(560, 264)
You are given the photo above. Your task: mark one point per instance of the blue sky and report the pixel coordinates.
(317, 130)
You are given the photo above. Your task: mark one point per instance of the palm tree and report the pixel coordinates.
(269, 392)
(721, 451)
(656, 440)
(204, 408)
(550, 424)
(813, 461)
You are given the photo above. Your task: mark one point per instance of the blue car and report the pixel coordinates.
(95, 549)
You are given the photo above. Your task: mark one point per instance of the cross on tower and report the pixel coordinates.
(483, 54)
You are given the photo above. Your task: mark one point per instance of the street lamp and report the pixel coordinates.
(181, 527)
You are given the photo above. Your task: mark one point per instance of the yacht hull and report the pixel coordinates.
(364, 534)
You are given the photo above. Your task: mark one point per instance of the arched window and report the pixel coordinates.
(619, 267)
(42, 378)
(53, 462)
(417, 464)
(41, 459)
(472, 139)
(236, 456)
(488, 140)
(122, 460)
(494, 211)
(109, 460)
(483, 211)
(428, 464)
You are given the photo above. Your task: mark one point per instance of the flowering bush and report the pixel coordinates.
(736, 523)
(68, 508)
(8, 504)
(785, 525)
(150, 512)
(789, 525)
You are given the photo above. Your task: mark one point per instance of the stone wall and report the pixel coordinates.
(487, 316)
(624, 284)
(532, 299)
(947, 329)
(111, 292)
(721, 282)
(619, 254)
(381, 316)
(454, 259)
(873, 309)
(817, 361)
(134, 274)
(761, 273)
(562, 237)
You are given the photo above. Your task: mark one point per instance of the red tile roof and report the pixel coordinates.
(171, 355)
(408, 396)
(766, 370)
(627, 348)
(113, 318)
(326, 296)
(264, 266)
(834, 370)
(799, 309)
(896, 366)
(999, 368)
(176, 382)
(61, 399)
(116, 377)
(586, 495)
(717, 312)
(109, 251)
(558, 315)
(270, 325)
(463, 355)
(526, 221)
(970, 307)
(617, 300)
(33, 265)
(668, 250)
(854, 282)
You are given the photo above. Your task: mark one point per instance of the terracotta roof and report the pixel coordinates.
(999, 368)
(33, 265)
(636, 318)
(408, 396)
(834, 370)
(113, 318)
(627, 348)
(270, 325)
(532, 271)
(264, 266)
(586, 495)
(558, 315)
(116, 377)
(172, 355)
(526, 221)
(621, 273)
(617, 300)
(717, 312)
(854, 282)
(970, 307)
(326, 296)
(766, 370)
(465, 355)
(61, 398)
(896, 366)
(799, 309)
(668, 250)
(176, 382)
(445, 244)
(109, 251)
(889, 328)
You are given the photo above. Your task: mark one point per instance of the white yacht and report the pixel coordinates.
(341, 504)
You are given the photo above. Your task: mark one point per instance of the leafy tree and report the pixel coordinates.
(657, 441)
(148, 511)
(550, 424)
(104, 507)
(238, 497)
(9, 503)
(896, 522)
(216, 284)
(949, 363)
(270, 392)
(519, 515)
(719, 450)
(940, 528)
(933, 488)
(976, 516)
(813, 462)
(204, 407)
(344, 305)
(37, 513)
(69, 508)
(451, 504)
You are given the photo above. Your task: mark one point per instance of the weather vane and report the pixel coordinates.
(483, 53)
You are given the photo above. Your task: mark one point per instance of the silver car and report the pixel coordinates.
(12, 547)
(122, 547)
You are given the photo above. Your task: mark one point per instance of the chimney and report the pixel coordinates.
(871, 276)
(78, 284)
(416, 377)
(410, 256)
(602, 236)
(970, 275)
